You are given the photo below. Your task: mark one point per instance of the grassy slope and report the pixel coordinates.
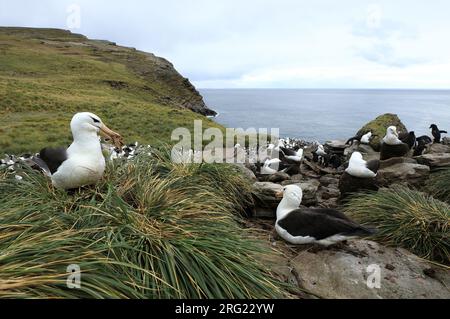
(47, 75)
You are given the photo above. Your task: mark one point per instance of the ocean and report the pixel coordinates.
(323, 114)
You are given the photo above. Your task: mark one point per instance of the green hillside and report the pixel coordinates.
(47, 75)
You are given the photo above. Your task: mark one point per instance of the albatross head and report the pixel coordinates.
(87, 125)
(356, 163)
(392, 130)
(356, 159)
(391, 137)
(292, 198)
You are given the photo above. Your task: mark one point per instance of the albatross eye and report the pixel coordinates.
(95, 120)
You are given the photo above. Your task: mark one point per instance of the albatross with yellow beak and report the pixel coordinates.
(392, 146)
(83, 162)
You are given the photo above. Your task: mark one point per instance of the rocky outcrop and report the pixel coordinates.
(379, 126)
(266, 192)
(446, 140)
(246, 172)
(437, 148)
(335, 146)
(366, 150)
(435, 160)
(278, 177)
(402, 171)
(351, 272)
(266, 199)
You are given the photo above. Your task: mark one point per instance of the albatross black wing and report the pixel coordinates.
(288, 152)
(443, 132)
(408, 138)
(388, 151)
(320, 224)
(53, 157)
(373, 165)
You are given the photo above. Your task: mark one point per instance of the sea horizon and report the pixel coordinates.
(322, 114)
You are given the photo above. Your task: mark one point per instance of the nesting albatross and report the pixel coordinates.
(392, 146)
(83, 162)
(313, 226)
(359, 175)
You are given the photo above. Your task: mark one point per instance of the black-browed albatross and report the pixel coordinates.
(391, 146)
(359, 175)
(313, 225)
(83, 162)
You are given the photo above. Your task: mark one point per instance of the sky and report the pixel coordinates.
(267, 43)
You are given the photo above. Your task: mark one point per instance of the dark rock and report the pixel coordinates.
(310, 189)
(389, 267)
(430, 272)
(437, 148)
(297, 177)
(278, 177)
(265, 212)
(345, 273)
(118, 85)
(328, 179)
(332, 203)
(246, 172)
(366, 150)
(412, 174)
(265, 194)
(329, 192)
(349, 184)
(434, 160)
(336, 145)
(397, 160)
(446, 140)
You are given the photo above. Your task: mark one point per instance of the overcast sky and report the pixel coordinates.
(268, 43)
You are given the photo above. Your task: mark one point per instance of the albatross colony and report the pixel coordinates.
(83, 162)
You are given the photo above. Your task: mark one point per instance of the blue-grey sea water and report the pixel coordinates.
(323, 114)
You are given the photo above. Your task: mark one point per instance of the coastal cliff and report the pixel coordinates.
(48, 74)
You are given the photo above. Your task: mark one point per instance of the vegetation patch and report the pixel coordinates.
(439, 184)
(406, 218)
(149, 229)
(47, 75)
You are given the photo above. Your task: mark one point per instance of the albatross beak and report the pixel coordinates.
(110, 134)
(279, 195)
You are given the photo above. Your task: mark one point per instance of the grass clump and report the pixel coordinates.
(438, 184)
(149, 229)
(406, 218)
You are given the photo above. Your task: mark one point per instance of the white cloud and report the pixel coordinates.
(434, 75)
(270, 43)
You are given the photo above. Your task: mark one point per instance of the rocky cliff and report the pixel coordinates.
(50, 74)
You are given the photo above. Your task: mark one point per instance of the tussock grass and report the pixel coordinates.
(150, 229)
(438, 184)
(406, 218)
